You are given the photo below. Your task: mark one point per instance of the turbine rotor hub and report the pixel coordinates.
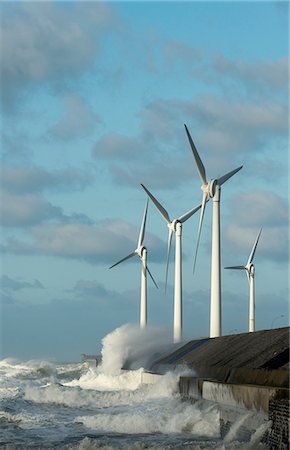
(212, 187)
(252, 270)
(172, 225)
(141, 250)
(209, 188)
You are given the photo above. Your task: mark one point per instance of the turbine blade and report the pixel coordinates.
(228, 175)
(188, 214)
(252, 254)
(124, 259)
(200, 166)
(204, 200)
(160, 208)
(142, 229)
(168, 255)
(236, 267)
(151, 276)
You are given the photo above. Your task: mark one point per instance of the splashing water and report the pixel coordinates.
(69, 406)
(133, 347)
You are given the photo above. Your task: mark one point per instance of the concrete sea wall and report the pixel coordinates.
(271, 404)
(247, 371)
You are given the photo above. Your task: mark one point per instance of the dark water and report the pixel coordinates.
(71, 406)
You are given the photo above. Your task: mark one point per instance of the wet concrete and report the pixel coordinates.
(258, 358)
(247, 371)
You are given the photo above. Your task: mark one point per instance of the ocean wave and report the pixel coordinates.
(96, 379)
(13, 368)
(171, 416)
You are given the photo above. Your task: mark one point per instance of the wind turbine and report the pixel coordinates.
(211, 189)
(250, 270)
(141, 251)
(174, 226)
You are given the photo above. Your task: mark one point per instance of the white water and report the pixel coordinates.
(70, 406)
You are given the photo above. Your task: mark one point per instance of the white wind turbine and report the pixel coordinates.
(175, 226)
(141, 251)
(211, 189)
(250, 270)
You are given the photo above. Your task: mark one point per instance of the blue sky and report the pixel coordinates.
(94, 98)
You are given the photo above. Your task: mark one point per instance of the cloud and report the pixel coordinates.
(27, 209)
(103, 243)
(49, 42)
(152, 155)
(79, 119)
(15, 145)
(33, 179)
(252, 211)
(22, 203)
(114, 146)
(10, 284)
(6, 299)
(159, 122)
(230, 125)
(176, 52)
(257, 77)
(260, 208)
(170, 173)
(262, 76)
(226, 131)
(93, 290)
(261, 168)
(273, 244)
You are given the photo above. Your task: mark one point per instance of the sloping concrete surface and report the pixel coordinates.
(260, 358)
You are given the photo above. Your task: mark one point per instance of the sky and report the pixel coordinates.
(94, 98)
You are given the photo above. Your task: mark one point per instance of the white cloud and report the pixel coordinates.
(27, 209)
(94, 290)
(226, 131)
(117, 146)
(262, 75)
(79, 118)
(105, 242)
(33, 179)
(254, 210)
(273, 243)
(176, 52)
(45, 41)
(231, 126)
(260, 208)
(11, 284)
(168, 173)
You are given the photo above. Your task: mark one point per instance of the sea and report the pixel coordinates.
(54, 405)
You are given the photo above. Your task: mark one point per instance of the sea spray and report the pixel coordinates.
(48, 405)
(131, 347)
(259, 434)
(236, 426)
(96, 379)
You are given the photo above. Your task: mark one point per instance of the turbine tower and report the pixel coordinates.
(212, 189)
(250, 270)
(174, 226)
(141, 251)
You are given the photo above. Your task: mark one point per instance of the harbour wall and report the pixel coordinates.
(270, 404)
(245, 372)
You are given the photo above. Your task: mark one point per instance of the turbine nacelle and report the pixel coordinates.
(250, 271)
(209, 189)
(172, 225)
(139, 251)
(250, 268)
